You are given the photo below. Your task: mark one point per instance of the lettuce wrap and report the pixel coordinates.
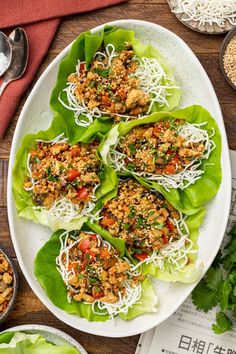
(84, 49)
(23, 199)
(171, 263)
(192, 198)
(45, 270)
(28, 343)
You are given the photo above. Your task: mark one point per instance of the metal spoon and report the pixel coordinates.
(5, 53)
(20, 53)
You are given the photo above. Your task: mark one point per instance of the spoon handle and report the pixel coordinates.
(3, 86)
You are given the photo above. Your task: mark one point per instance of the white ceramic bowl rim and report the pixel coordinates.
(44, 330)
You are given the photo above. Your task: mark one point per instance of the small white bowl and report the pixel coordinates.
(51, 334)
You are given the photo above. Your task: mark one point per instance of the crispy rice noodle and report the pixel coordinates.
(149, 72)
(207, 11)
(132, 294)
(151, 75)
(176, 252)
(191, 172)
(64, 208)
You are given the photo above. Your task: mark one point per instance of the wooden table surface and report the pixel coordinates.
(28, 308)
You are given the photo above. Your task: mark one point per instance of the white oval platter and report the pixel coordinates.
(28, 238)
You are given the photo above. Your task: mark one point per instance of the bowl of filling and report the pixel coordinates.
(8, 284)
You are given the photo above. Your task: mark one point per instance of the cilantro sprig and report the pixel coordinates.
(218, 287)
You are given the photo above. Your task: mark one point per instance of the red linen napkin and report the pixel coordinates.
(40, 19)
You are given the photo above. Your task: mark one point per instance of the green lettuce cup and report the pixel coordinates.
(51, 187)
(199, 178)
(159, 240)
(94, 281)
(90, 85)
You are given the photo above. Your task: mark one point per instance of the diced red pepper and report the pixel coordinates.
(91, 253)
(84, 245)
(82, 193)
(141, 256)
(176, 159)
(165, 239)
(98, 295)
(72, 174)
(170, 225)
(73, 265)
(82, 266)
(169, 152)
(75, 151)
(106, 100)
(82, 67)
(93, 236)
(169, 169)
(107, 222)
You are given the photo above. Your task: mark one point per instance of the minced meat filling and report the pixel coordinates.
(111, 87)
(6, 283)
(141, 217)
(99, 273)
(60, 170)
(159, 149)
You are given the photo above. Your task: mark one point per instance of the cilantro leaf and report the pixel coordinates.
(225, 292)
(203, 297)
(132, 149)
(213, 278)
(223, 323)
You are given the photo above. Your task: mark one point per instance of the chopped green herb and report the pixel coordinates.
(99, 88)
(132, 211)
(136, 250)
(126, 226)
(130, 166)
(93, 280)
(132, 149)
(92, 83)
(103, 72)
(140, 222)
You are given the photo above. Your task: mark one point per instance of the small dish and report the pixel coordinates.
(226, 41)
(52, 335)
(195, 26)
(12, 300)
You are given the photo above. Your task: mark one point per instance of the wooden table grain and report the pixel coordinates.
(28, 308)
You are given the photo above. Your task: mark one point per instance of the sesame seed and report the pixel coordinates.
(229, 60)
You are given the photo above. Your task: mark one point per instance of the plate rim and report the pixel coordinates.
(10, 201)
